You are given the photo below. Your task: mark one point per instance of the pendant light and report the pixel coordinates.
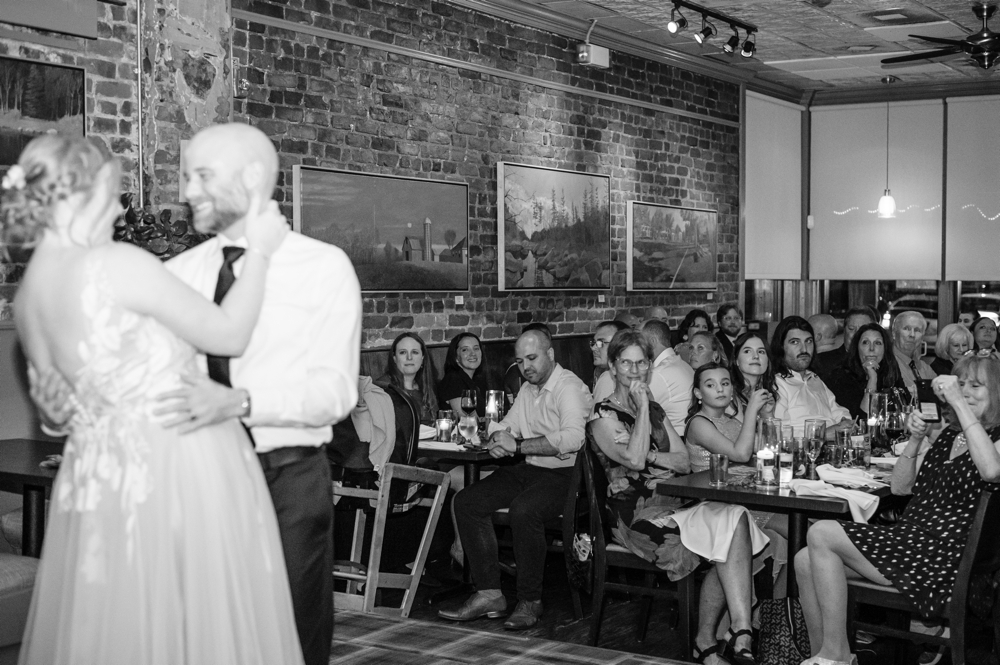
(887, 204)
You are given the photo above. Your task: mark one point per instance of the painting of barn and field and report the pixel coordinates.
(36, 98)
(555, 229)
(401, 234)
(670, 247)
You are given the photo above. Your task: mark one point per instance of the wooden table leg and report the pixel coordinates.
(797, 525)
(33, 524)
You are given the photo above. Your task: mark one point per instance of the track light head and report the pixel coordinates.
(677, 21)
(732, 43)
(706, 32)
(749, 46)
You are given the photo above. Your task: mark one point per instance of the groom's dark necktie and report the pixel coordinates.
(218, 366)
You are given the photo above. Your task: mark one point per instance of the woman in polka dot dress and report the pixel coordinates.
(920, 554)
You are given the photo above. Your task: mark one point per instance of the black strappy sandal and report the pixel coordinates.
(742, 656)
(716, 649)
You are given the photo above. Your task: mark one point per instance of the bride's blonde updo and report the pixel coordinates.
(50, 169)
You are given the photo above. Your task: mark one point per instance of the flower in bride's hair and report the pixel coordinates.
(14, 178)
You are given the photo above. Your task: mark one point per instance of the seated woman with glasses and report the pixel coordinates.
(953, 342)
(637, 445)
(919, 555)
(984, 332)
(869, 367)
(409, 369)
(697, 320)
(464, 372)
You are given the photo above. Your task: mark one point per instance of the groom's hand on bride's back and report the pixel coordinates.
(52, 395)
(200, 402)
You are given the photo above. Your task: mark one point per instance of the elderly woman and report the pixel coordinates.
(463, 371)
(953, 341)
(984, 333)
(636, 445)
(870, 366)
(919, 555)
(706, 348)
(697, 320)
(409, 369)
(752, 370)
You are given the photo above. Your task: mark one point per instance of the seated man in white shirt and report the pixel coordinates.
(546, 425)
(604, 385)
(907, 334)
(671, 378)
(802, 395)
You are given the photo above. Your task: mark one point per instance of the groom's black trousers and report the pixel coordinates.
(299, 480)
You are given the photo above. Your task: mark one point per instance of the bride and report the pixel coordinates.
(161, 547)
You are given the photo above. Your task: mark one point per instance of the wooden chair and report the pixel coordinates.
(365, 580)
(981, 555)
(608, 555)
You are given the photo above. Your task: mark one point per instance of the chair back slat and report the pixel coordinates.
(982, 551)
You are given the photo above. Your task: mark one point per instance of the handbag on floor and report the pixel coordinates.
(783, 638)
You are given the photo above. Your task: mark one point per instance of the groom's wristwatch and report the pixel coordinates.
(245, 404)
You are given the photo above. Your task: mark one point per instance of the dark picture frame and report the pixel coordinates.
(402, 234)
(671, 248)
(553, 229)
(36, 98)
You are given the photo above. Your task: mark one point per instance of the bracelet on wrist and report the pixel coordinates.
(970, 425)
(517, 446)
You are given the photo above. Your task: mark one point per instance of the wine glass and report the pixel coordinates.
(814, 447)
(467, 427)
(894, 429)
(468, 400)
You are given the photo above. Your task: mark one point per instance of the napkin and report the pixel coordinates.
(836, 476)
(427, 432)
(441, 445)
(862, 504)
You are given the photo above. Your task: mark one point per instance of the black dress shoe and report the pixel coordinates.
(477, 606)
(525, 615)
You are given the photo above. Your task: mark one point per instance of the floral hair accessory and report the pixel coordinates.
(14, 178)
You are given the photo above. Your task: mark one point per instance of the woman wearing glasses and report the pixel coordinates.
(636, 445)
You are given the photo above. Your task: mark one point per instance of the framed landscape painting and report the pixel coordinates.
(401, 234)
(35, 98)
(670, 248)
(553, 229)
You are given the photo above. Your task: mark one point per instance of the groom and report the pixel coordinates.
(299, 374)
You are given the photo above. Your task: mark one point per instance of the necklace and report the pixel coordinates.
(619, 403)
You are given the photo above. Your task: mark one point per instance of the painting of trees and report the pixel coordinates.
(670, 248)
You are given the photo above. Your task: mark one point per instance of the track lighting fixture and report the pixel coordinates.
(706, 32)
(733, 42)
(677, 21)
(708, 28)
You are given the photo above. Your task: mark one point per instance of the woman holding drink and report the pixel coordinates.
(919, 555)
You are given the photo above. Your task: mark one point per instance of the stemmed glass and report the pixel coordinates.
(468, 400)
(894, 429)
(468, 425)
(814, 447)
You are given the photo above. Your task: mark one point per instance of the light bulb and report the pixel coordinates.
(887, 206)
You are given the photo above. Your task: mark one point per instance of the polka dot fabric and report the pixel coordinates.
(920, 554)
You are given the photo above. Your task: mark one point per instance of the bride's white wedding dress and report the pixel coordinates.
(160, 547)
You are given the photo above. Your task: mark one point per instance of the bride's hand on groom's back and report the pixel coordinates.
(266, 227)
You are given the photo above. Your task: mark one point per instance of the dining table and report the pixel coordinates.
(21, 473)
(800, 509)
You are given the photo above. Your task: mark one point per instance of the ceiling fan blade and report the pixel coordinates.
(940, 40)
(926, 55)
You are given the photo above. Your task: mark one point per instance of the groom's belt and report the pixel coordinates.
(286, 455)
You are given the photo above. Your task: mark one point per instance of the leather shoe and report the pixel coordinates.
(525, 615)
(475, 607)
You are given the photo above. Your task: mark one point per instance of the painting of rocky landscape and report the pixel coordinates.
(554, 229)
(401, 234)
(670, 248)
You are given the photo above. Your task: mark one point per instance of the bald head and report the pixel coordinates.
(534, 356)
(824, 331)
(656, 313)
(227, 167)
(631, 320)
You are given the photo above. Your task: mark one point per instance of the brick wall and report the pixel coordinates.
(330, 103)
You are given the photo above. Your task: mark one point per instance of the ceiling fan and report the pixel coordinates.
(982, 47)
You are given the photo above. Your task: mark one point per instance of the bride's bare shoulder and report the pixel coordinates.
(121, 255)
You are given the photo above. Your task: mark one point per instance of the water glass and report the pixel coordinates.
(468, 426)
(862, 445)
(787, 434)
(766, 468)
(815, 429)
(770, 433)
(813, 449)
(446, 414)
(785, 468)
(718, 467)
(843, 446)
